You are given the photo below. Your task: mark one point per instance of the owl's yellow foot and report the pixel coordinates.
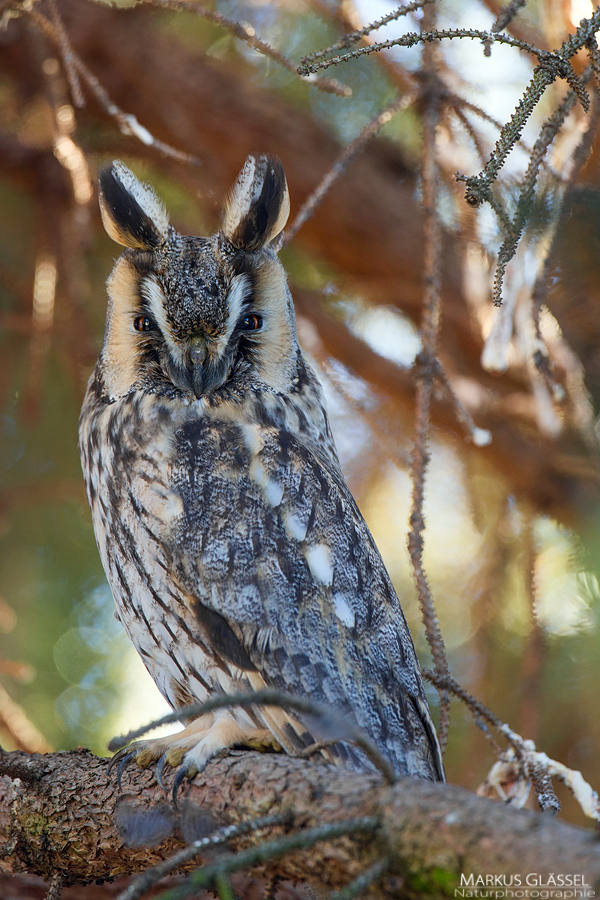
(191, 749)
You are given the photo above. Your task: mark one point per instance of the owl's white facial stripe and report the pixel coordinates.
(153, 294)
(238, 293)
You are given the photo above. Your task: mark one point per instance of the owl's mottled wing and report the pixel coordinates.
(287, 582)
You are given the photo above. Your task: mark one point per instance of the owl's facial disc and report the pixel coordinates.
(198, 351)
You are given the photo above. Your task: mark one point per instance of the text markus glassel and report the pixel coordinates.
(533, 879)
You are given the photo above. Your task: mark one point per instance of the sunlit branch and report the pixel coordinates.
(353, 37)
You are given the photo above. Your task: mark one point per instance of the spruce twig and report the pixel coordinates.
(271, 697)
(266, 852)
(426, 360)
(152, 876)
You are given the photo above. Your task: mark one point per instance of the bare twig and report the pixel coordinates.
(348, 16)
(66, 52)
(457, 102)
(56, 886)
(127, 122)
(426, 368)
(473, 134)
(363, 881)
(247, 34)
(353, 37)
(551, 66)
(447, 683)
(349, 153)
(412, 38)
(548, 132)
(522, 762)
(481, 437)
(507, 14)
(579, 158)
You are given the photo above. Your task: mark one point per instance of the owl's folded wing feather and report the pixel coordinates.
(288, 581)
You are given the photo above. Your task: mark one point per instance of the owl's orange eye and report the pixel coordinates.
(143, 323)
(252, 323)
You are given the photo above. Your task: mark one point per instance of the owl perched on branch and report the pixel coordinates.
(236, 554)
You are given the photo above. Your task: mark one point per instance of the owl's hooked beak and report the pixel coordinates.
(205, 373)
(198, 349)
(198, 354)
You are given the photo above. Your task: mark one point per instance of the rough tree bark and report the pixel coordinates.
(57, 812)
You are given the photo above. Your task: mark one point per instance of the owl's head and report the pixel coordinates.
(192, 313)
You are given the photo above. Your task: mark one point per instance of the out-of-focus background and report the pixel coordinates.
(512, 541)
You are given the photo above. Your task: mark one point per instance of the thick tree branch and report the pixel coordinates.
(57, 812)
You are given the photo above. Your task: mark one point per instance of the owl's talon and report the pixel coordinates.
(124, 753)
(186, 771)
(160, 768)
(117, 758)
(123, 764)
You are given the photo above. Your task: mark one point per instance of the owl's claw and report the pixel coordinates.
(185, 771)
(160, 768)
(115, 759)
(123, 758)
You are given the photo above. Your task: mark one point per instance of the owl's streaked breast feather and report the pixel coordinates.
(235, 552)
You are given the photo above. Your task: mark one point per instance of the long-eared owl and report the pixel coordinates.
(236, 554)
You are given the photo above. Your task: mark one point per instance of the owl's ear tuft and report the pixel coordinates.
(131, 212)
(259, 204)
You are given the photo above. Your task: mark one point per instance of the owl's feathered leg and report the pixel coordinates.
(193, 747)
